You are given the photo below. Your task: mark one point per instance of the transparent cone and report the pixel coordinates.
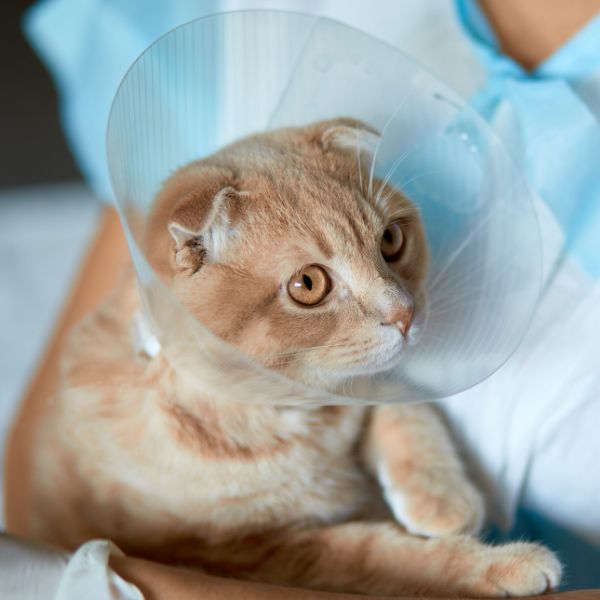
(217, 79)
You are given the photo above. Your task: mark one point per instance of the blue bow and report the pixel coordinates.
(549, 120)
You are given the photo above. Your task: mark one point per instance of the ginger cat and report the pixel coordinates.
(277, 243)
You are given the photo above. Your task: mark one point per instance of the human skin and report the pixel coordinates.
(531, 31)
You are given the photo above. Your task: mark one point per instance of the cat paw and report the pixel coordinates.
(437, 508)
(516, 569)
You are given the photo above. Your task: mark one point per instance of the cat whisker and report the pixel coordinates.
(396, 165)
(423, 174)
(358, 159)
(464, 302)
(435, 336)
(460, 292)
(382, 135)
(466, 285)
(459, 250)
(460, 287)
(455, 287)
(389, 174)
(385, 200)
(443, 311)
(304, 350)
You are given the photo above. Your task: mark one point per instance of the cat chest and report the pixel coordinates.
(307, 470)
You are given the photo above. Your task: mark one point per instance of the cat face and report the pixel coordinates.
(277, 245)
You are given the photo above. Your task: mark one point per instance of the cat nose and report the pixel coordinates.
(401, 317)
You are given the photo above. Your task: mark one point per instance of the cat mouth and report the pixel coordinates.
(399, 350)
(393, 359)
(386, 357)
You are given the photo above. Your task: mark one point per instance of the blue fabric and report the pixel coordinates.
(552, 132)
(88, 45)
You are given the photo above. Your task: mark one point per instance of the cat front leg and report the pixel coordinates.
(409, 450)
(380, 558)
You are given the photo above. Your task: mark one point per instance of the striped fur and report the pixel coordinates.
(343, 498)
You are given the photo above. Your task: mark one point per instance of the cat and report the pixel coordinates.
(280, 244)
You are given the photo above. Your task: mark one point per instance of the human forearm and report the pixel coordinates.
(161, 582)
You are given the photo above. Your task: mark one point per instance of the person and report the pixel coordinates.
(530, 429)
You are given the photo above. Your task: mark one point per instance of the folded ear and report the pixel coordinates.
(194, 207)
(197, 212)
(352, 136)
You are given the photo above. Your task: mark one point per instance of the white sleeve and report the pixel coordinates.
(34, 572)
(532, 427)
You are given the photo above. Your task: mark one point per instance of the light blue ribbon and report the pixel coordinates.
(549, 125)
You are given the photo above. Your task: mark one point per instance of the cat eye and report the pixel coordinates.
(392, 242)
(310, 285)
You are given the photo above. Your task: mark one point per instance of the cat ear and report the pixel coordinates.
(193, 210)
(348, 135)
(197, 213)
